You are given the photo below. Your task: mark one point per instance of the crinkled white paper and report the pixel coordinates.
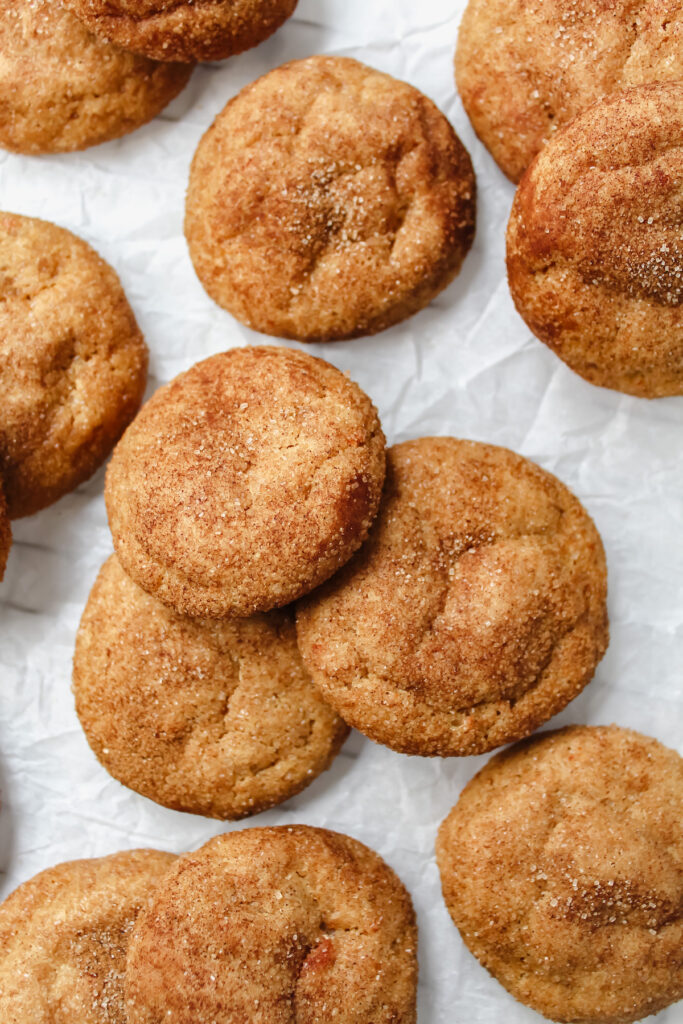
(466, 366)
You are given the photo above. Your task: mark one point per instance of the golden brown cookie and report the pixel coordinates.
(64, 936)
(183, 30)
(348, 210)
(275, 925)
(562, 866)
(474, 612)
(5, 534)
(525, 69)
(73, 363)
(212, 717)
(595, 243)
(62, 88)
(245, 482)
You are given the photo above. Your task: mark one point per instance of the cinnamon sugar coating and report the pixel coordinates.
(211, 717)
(595, 243)
(276, 926)
(245, 482)
(562, 867)
(524, 69)
(73, 363)
(474, 612)
(328, 201)
(64, 936)
(62, 88)
(183, 30)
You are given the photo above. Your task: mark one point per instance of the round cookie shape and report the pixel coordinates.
(73, 363)
(474, 612)
(63, 89)
(5, 534)
(276, 924)
(562, 867)
(524, 70)
(183, 30)
(347, 210)
(64, 936)
(594, 250)
(207, 716)
(245, 482)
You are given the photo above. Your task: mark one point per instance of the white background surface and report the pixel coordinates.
(466, 366)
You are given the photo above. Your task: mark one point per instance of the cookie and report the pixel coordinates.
(524, 70)
(595, 243)
(348, 210)
(73, 363)
(62, 88)
(5, 534)
(562, 867)
(475, 611)
(276, 924)
(213, 717)
(183, 30)
(245, 482)
(64, 936)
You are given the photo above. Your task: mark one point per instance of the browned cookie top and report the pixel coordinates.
(562, 866)
(64, 936)
(595, 242)
(183, 30)
(524, 68)
(475, 610)
(73, 364)
(62, 88)
(276, 926)
(328, 201)
(216, 718)
(245, 482)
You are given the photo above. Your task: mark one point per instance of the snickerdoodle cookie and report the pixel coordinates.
(62, 88)
(5, 534)
(475, 610)
(276, 924)
(73, 364)
(328, 201)
(525, 69)
(183, 30)
(595, 243)
(245, 482)
(64, 936)
(562, 866)
(213, 717)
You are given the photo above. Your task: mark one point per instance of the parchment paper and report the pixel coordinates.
(466, 366)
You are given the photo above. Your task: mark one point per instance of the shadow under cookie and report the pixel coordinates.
(211, 717)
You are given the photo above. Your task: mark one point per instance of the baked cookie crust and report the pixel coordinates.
(328, 201)
(562, 867)
(594, 243)
(474, 612)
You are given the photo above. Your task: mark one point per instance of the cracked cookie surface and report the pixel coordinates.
(63, 89)
(595, 243)
(183, 30)
(64, 936)
(525, 69)
(245, 482)
(73, 363)
(475, 610)
(276, 926)
(210, 717)
(562, 867)
(328, 201)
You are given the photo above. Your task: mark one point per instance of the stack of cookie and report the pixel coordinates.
(583, 107)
